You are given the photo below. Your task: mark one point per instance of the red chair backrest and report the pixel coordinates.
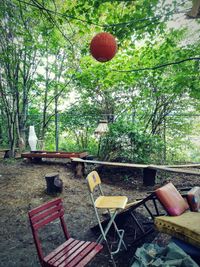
(46, 213)
(43, 215)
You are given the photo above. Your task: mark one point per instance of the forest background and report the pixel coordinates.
(149, 92)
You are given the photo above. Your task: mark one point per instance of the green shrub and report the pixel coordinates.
(126, 143)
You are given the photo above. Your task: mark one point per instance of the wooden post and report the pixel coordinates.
(79, 169)
(149, 176)
(8, 153)
(54, 183)
(34, 160)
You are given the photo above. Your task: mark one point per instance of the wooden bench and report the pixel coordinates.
(79, 168)
(149, 171)
(36, 156)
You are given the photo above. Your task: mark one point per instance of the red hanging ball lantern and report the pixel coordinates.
(103, 47)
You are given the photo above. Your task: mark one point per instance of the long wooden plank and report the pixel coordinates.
(170, 168)
(132, 165)
(192, 165)
(116, 164)
(161, 168)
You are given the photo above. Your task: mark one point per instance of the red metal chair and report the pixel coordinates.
(72, 252)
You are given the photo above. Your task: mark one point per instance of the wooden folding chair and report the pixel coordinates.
(112, 204)
(69, 254)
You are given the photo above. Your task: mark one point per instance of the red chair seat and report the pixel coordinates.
(72, 253)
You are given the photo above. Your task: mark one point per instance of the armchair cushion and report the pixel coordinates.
(185, 227)
(193, 197)
(171, 199)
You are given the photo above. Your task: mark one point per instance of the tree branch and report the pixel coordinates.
(38, 5)
(159, 66)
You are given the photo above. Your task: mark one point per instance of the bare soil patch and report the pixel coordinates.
(22, 187)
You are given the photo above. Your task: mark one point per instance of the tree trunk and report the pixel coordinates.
(56, 124)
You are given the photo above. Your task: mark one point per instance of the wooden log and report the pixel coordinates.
(54, 183)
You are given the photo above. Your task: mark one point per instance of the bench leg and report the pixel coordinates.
(34, 160)
(79, 169)
(149, 176)
(8, 154)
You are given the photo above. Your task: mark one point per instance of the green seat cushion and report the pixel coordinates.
(185, 226)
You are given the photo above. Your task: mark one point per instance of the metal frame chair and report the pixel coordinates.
(69, 254)
(112, 204)
(137, 218)
(155, 218)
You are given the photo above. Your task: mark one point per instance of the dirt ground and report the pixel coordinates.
(22, 187)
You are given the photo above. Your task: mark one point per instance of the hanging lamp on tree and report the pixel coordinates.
(103, 46)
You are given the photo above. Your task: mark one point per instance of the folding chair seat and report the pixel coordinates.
(72, 252)
(112, 204)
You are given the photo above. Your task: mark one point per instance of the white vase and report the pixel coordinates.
(32, 138)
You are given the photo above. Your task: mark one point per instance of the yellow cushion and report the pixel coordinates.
(185, 226)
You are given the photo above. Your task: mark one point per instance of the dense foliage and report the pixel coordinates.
(49, 79)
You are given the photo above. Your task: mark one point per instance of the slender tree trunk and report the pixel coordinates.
(56, 123)
(44, 113)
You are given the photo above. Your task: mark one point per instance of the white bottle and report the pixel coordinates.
(32, 139)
